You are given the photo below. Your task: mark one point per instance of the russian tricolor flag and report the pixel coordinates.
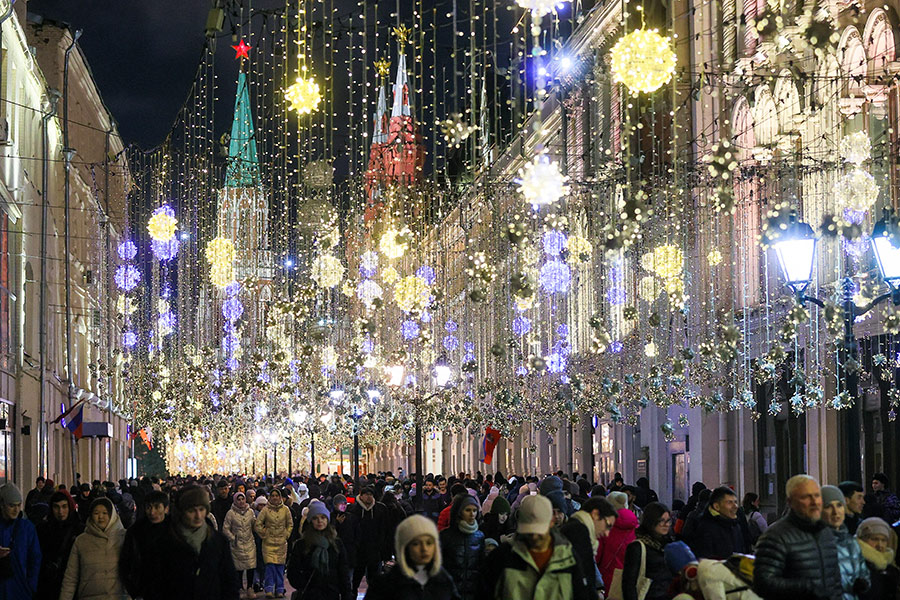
(76, 424)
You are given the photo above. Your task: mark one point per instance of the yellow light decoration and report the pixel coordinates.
(667, 261)
(390, 276)
(714, 257)
(647, 288)
(856, 191)
(348, 289)
(329, 357)
(327, 271)
(541, 182)
(580, 250)
(411, 293)
(650, 350)
(220, 256)
(125, 305)
(856, 148)
(303, 96)
(161, 226)
(394, 242)
(531, 255)
(643, 61)
(524, 304)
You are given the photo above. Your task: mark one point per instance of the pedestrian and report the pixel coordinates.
(462, 546)
(35, 493)
(432, 501)
(878, 543)
(883, 502)
(373, 547)
(756, 522)
(238, 530)
(56, 535)
(274, 525)
(538, 564)
(443, 521)
(141, 545)
(193, 558)
(396, 514)
(682, 515)
(222, 503)
(20, 552)
(318, 567)
(643, 494)
(617, 484)
(645, 563)
(347, 527)
(584, 530)
(854, 502)
(797, 555)
(718, 534)
(418, 573)
(611, 550)
(497, 524)
(92, 572)
(84, 500)
(552, 488)
(854, 573)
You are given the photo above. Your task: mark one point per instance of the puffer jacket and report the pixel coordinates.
(611, 552)
(92, 572)
(238, 529)
(463, 554)
(717, 537)
(797, 559)
(885, 577)
(274, 526)
(718, 582)
(852, 564)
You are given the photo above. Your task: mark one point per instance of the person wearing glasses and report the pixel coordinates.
(645, 561)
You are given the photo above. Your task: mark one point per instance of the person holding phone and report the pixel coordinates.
(20, 551)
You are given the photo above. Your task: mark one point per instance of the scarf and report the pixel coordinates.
(421, 575)
(194, 537)
(319, 555)
(586, 520)
(240, 511)
(880, 560)
(651, 541)
(467, 528)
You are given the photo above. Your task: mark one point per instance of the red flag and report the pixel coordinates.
(491, 439)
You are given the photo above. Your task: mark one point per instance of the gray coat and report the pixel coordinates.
(238, 528)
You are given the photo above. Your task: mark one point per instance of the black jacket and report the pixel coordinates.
(657, 571)
(314, 585)
(393, 585)
(797, 560)
(717, 537)
(181, 574)
(493, 529)
(374, 544)
(139, 551)
(580, 538)
(220, 508)
(56, 539)
(463, 554)
(884, 583)
(433, 505)
(348, 533)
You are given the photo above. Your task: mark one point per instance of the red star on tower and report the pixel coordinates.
(241, 50)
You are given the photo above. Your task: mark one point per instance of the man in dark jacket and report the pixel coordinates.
(855, 502)
(373, 546)
(56, 534)
(796, 557)
(718, 533)
(432, 501)
(194, 559)
(35, 494)
(222, 503)
(141, 540)
(883, 503)
(591, 522)
(347, 527)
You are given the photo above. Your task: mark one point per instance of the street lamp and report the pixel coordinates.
(796, 249)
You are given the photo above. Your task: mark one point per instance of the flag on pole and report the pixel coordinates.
(76, 424)
(491, 439)
(68, 412)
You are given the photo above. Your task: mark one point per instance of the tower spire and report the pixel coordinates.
(243, 161)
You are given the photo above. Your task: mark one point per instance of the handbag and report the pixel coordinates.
(643, 583)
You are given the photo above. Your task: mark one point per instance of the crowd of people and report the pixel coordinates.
(557, 537)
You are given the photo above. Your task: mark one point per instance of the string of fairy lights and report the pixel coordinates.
(402, 190)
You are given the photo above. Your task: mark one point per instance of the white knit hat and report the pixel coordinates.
(408, 530)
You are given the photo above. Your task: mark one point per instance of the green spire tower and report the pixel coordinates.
(243, 161)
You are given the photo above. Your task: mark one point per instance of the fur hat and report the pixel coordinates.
(619, 500)
(194, 495)
(317, 507)
(831, 494)
(408, 530)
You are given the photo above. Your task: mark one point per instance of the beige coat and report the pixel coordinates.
(274, 526)
(238, 528)
(93, 569)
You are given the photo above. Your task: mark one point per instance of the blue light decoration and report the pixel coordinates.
(127, 250)
(521, 371)
(521, 325)
(127, 277)
(426, 273)
(425, 317)
(616, 347)
(616, 296)
(555, 277)
(409, 329)
(165, 251)
(451, 343)
(368, 345)
(230, 343)
(294, 366)
(450, 326)
(562, 330)
(557, 362)
(368, 264)
(264, 376)
(470, 351)
(167, 321)
(129, 339)
(232, 364)
(554, 242)
(232, 309)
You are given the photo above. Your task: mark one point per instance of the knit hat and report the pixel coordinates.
(461, 501)
(874, 526)
(260, 502)
(10, 494)
(550, 484)
(619, 500)
(338, 499)
(408, 530)
(317, 507)
(192, 496)
(831, 494)
(881, 477)
(234, 497)
(535, 514)
(500, 506)
(491, 542)
(678, 556)
(367, 490)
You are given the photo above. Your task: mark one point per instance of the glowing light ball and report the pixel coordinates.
(368, 264)
(303, 96)
(368, 291)
(666, 260)
(554, 242)
(540, 8)
(555, 277)
(125, 305)
(521, 325)
(411, 293)
(714, 257)
(166, 323)
(643, 61)
(856, 148)
(129, 339)
(541, 182)
(650, 350)
(451, 343)
(127, 277)
(427, 273)
(329, 358)
(327, 271)
(162, 224)
(165, 250)
(409, 329)
(394, 242)
(127, 250)
(220, 255)
(451, 326)
(390, 275)
(856, 191)
(232, 309)
(523, 304)
(580, 250)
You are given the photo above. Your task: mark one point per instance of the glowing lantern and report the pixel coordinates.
(303, 96)
(162, 224)
(643, 61)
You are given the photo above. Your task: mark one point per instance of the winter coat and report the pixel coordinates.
(274, 526)
(582, 538)
(489, 500)
(884, 504)
(511, 573)
(393, 585)
(492, 528)
(21, 536)
(93, 569)
(348, 532)
(718, 582)
(717, 537)
(56, 539)
(854, 572)
(656, 570)
(432, 504)
(797, 559)
(757, 526)
(463, 554)
(220, 507)
(374, 544)
(182, 574)
(884, 574)
(611, 553)
(314, 585)
(238, 530)
(139, 555)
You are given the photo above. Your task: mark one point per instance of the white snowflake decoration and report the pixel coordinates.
(541, 182)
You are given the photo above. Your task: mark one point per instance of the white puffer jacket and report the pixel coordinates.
(238, 528)
(716, 580)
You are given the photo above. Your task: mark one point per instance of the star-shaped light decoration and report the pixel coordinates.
(241, 50)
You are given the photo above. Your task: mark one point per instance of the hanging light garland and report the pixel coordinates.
(394, 242)
(303, 96)
(220, 255)
(411, 293)
(541, 182)
(643, 60)
(327, 271)
(162, 224)
(856, 191)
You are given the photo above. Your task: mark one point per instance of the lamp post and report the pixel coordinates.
(796, 251)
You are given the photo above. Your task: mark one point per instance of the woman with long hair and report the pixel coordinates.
(645, 574)
(755, 519)
(318, 567)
